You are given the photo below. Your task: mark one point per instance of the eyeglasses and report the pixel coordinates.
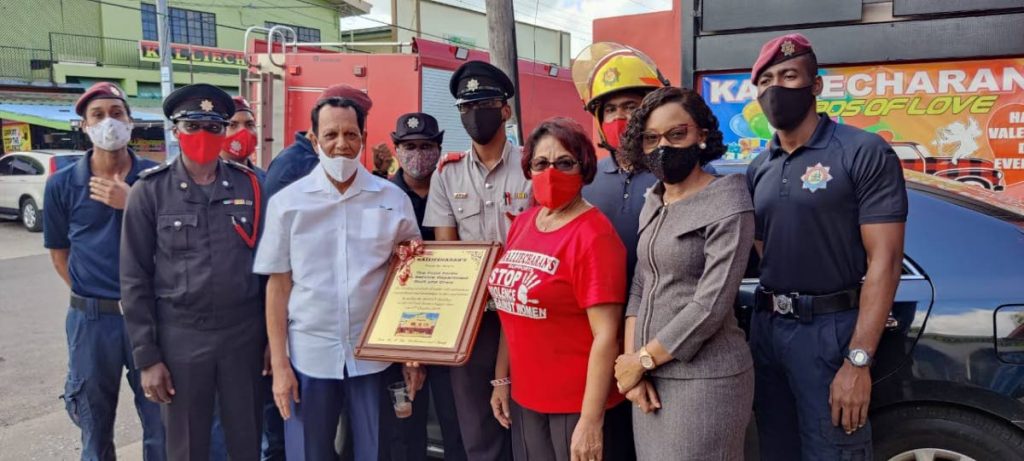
(564, 164)
(674, 136)
(194, 127)
(467, 107)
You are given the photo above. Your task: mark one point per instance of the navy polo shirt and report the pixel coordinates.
(809, 206)
(620, 196)
(90, 229)
(294, 162)
(419, 205)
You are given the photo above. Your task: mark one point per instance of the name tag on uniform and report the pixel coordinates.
(460, 195)
(237, 201)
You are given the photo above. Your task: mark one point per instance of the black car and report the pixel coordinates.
(949, 371)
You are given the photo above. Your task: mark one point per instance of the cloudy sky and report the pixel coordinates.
(573, 16)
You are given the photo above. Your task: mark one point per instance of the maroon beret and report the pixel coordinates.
(100, 90)
(241, 105)
(780, 49)
(342, 90)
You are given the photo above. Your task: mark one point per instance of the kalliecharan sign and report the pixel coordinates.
(195, 55)
(956, 109)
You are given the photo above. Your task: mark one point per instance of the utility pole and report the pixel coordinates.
(501, 35)
(163, 29)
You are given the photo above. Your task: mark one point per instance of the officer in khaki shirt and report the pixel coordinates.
(474, 196)
(192, 305)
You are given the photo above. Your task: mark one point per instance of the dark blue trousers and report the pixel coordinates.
(309, 434)
(794, 365)
(98, 353)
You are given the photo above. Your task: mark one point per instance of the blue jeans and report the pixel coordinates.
(98, 352)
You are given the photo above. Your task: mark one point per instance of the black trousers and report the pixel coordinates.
(483, 437)
(225, 363)
(406, 439)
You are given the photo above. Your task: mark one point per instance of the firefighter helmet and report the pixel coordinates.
(604, 68)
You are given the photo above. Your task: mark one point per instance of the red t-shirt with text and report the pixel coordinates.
(542, 286)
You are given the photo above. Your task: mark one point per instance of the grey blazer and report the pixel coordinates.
(690, 262)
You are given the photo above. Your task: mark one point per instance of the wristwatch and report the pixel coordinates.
(646, 360)
(858, 358)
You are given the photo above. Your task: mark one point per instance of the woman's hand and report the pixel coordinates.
(644, 396)
(628, 371)
(500, 405)
(588, 440)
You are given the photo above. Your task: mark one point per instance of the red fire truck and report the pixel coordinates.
(283, 86)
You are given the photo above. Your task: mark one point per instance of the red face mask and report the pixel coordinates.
(552, 189)
(202, 147)
(613, 131)
(240, 145)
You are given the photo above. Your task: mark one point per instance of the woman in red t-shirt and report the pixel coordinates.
(559, 289)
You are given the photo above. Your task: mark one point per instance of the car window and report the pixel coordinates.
(905, 152)
(25, 166)
(62, 161)
(5, 165)
(1000, 206)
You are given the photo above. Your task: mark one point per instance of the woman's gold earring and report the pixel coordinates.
(702, 145)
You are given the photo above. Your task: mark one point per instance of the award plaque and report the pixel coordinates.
(431, 303)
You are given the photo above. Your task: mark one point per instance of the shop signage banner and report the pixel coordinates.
(957, 113)
(195, 55)
(16, 137)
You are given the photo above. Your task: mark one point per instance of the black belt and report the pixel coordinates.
(805, 307)
(104, 306)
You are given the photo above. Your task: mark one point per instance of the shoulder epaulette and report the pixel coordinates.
(154, 170)
(451, 157)
(239, 166)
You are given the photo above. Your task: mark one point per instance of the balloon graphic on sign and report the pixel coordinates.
(739, 125)
(757, 121)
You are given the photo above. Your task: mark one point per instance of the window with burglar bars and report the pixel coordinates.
(305, 34)
(187, 26)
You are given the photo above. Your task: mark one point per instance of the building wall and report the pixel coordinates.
(440, 22)
(87, 33)
(28, 23)
(657, 35)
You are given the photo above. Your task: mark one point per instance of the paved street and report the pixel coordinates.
(33, 359)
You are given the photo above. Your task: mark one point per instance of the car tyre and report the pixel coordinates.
(944, 433)
(31, 216)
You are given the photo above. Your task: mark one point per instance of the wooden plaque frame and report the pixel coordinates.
(470, 324)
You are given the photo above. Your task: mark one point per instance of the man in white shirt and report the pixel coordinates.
(326, 244)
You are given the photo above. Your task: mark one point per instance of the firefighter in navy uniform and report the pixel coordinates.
(191, 302)
(830, 205)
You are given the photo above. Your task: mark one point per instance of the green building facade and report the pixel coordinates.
(78, 42)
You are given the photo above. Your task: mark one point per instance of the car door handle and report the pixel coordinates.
(892, 324)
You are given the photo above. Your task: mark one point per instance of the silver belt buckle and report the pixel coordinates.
(782, 304)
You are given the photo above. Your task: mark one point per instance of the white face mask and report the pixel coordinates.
(339, 168)
(111, 134)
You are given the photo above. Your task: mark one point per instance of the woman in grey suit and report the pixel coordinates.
(686, 364)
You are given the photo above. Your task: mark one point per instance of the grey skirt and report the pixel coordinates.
(699, 419)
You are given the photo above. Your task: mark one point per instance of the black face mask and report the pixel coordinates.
(482, 124)
(786, 107)
(671, 165)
